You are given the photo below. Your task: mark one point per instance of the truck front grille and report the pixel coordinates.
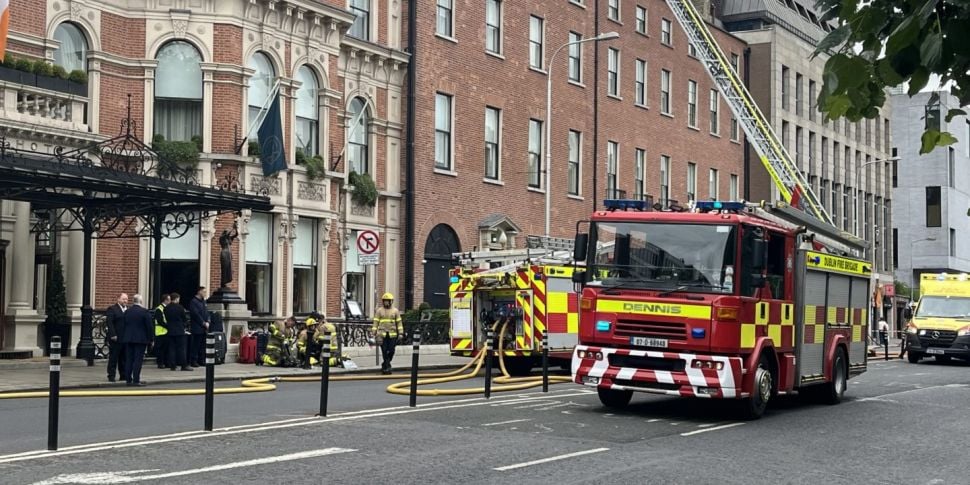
(637, 328)
(648, 363)
(937, 338)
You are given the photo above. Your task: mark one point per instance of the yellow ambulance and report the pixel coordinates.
(940, 325)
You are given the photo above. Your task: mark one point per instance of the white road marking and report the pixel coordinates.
(561, 405)
(507, 422)
(132, 476)
(654, 420)
(715, 428)
(547, 460)
(152, 440)
(537, 404)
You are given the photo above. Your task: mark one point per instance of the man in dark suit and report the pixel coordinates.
(199, 318)
(115, 320)
(175, 321)
(138, 335)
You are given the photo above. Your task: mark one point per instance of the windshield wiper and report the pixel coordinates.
(626, 282)
(672, 290)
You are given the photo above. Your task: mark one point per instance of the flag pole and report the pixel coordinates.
(261, 115)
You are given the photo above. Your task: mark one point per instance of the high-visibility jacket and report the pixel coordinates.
(387, 321)
(324, 329)
(161, 322)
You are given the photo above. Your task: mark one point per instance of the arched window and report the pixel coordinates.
(357, 136)
(307, 112)
(73, 51)
(178, 92)
(260, 87)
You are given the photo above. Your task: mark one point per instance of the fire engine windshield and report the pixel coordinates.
(666, 256)
(943, 307)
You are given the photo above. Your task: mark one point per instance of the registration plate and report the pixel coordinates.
(935, 351)
(648, 342)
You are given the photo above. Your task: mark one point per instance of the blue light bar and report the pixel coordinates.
(707, 205)
(625, 204)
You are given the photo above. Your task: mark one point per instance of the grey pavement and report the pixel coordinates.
(33, 374)
(900, 423)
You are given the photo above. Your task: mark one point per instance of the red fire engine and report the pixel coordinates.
(730, 300)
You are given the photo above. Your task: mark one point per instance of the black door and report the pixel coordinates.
(441, 244)
(181, 277)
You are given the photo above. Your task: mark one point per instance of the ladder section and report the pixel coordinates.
(826, 234)
(786, 176)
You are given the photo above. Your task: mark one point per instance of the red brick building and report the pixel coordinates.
(205, 72)
(621, 121)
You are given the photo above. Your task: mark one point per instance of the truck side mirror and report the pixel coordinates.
(759, 249)
(908, 313)
(758, 280)
(580, 246)
(579, 277)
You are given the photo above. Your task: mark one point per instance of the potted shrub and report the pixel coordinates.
(316, 169)
(175, 156)
(18, 70)
(78, 82)
(46, 79)
(8, 70)
(365, 190)
(57, 322)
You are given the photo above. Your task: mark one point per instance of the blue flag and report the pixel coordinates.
(271, 149)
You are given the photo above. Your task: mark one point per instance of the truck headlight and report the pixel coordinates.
(963, 331)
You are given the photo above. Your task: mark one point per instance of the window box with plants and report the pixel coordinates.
(175, 156)
(43, 75)
(316, 169)
(364, 190)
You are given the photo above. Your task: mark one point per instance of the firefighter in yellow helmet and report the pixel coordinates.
(325, 328)
(307, 353)
(278, 348)
(387, 328)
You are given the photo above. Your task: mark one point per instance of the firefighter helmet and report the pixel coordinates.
(387, 296)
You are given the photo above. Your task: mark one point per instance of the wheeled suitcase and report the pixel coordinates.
(262, 340)
(247, 350)
(221, 346)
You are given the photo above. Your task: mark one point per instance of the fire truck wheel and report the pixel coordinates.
(613, 398)
(913, 357)
(835, 389)
(754, 406)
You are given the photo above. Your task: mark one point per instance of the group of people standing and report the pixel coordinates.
(132, 329)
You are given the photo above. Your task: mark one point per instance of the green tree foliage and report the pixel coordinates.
(885, 43)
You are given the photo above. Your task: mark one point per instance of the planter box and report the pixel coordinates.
(14, 76)
(53, 84)
(77, 89)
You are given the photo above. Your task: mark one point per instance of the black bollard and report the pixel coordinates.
(887, 346)
(545, 362)
(325, 374)
(414, 369)
(53, 403)
(488, 364)
(210, 377)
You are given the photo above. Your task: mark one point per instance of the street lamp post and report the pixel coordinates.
(603, 36)
(912, 270)
(872, 248)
